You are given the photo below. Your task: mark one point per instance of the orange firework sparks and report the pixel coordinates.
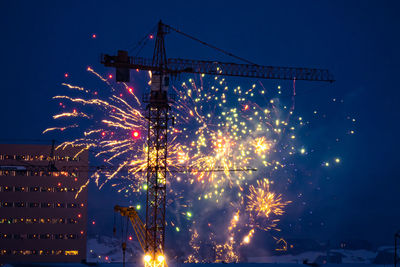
(262, 203)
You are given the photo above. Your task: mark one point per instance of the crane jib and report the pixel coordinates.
(176, 66)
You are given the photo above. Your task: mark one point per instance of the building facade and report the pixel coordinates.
(42, 216)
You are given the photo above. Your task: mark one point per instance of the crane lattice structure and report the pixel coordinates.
(158, 115)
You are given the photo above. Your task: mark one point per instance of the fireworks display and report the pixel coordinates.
(227, 149)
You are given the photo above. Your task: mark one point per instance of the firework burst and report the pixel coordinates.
(265, 205)
(221, 134)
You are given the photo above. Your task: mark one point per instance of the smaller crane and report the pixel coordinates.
(140, 232)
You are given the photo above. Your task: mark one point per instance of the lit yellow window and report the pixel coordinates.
(71, 252)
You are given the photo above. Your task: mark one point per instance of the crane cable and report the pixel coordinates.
(209, 45)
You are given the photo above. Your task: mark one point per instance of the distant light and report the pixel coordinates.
(302, 151)
(59, 184)
(246, 240)
(337, 160)
(81, 232)
(151, 36)
(79, 215)
(120, 95)
(130, 89)
(93, 222)
(110, 76)
(135, 134)
(160, 258)
(189, 214)
(106, 258)
(130, 238)
(103, 133)
(177, 229)
(147, 258)
(145, 186)
(66, 75)
(94, 35)
(138, 207)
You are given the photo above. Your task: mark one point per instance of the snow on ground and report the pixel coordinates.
(107, 249)
(348, 256)
(356, 256)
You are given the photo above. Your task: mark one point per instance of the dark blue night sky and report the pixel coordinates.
(358, 41)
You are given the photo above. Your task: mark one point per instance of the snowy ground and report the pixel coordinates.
(106, 252)
(107, 249)
(348, 256)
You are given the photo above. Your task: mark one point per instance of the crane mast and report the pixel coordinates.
(158, 117)
(157, 114)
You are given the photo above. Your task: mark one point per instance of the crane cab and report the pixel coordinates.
(159, 88)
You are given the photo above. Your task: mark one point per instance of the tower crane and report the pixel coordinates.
(158, 115)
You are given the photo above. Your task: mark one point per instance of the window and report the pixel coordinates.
(46, 205)
(48, 252)
(59, 236)
(5, 236)
(22, 173)
(46, 189)
(17, 236)
(7, 204)
(27, 252)
(5, 252)
(20, 189)
(45, 236)
(20, 204)
(34, 189)
(7, 188)
(34, 205)
(72, 221)
(18, 220)
(60, 205)
(71, 252)
(71, 236)
(33, 236)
